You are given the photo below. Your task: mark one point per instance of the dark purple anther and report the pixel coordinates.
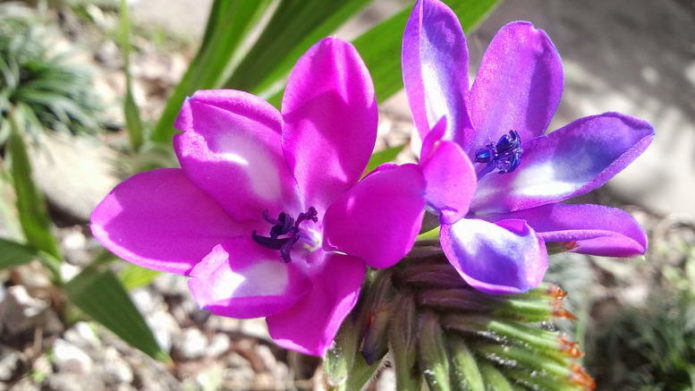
(505, 156)
(287, 226)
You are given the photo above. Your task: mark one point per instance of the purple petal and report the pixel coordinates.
(586, 229)
(566, 163)
(500, 258)
(311, 325)
(435, 70)
(242, 279)
(330, 117)
(518, 86)
(231, 149)
(159, 220)
(378, 219)
(450, 177)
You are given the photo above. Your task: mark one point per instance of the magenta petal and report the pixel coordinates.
(500, 258)
(586, 229)
(242, 279)
(378, 219)
(311, 325)
(231, 149)
(435, 70)
(330, 117)
(450, 177)
(566, 163)
(159, 220)
(518, 86)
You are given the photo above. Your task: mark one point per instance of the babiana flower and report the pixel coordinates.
(267, 215)
(494, 175)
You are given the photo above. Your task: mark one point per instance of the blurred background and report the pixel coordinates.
(86, 100)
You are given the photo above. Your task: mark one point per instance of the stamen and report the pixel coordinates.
(505, 155)
(288, 227)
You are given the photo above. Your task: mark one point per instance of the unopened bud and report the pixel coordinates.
(403, 333)
(494, 379)
(375, 317)
(433, 358)
(464, 366)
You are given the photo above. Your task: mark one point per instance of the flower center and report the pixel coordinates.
(285, 232)
(505, 156)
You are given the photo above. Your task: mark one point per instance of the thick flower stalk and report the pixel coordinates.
(494, 176)
(267, 214)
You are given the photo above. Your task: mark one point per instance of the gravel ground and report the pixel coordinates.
(38, 350)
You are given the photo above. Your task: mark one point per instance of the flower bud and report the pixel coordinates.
(433, 357)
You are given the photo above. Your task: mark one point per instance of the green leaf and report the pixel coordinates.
(31, 207)
(229, 23)
(385, 156)
(133, 276)
(380, 47)
(296, 26)
(130, 108)
(14, 254)
(99, 294)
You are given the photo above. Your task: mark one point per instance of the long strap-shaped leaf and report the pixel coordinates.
(100, 294)
(380, 47)
(14, 254)
(31, 207)
(296, 25)
(229, 23)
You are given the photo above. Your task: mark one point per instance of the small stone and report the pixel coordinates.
(255, 328)
(82, 335)
(192, 344)
(68, 271)
(116, 370)
(146, 302)
(171, 284)
(71, 358)
(19, 311)
(219, 344)
(164, 327)
(10, 362)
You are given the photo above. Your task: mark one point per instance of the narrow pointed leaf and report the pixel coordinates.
(14, 254)
(99, 294)
(229, 24)
(130, 108)
(295, 26)
(385, 156)
(380, 47)
(133, 276)
(31, 206)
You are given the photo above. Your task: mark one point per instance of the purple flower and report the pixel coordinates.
(266, 214)
(493, 174)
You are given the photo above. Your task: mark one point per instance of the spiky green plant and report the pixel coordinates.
(57, 94)
(439, 333)
(647, 348)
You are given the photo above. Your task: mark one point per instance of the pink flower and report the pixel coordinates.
(494, 175)
(267, 215)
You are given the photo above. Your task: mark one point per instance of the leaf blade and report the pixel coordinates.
(31, 207)
(99, 294)
(14, 254)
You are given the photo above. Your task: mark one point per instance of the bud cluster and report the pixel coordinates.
(442, 333)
